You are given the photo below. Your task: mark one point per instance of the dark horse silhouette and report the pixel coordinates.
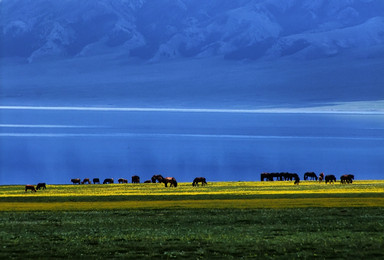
(86, 180)
(135, 179)
(30, 187)
(310, 176)
(279, 176)
(347, 178)
(96, 180)
(157, 178)
(171, 180)
(330, 178)
(321, 177)
(41, 185)
(199, 179)
(74, 181)
(266, 176)
(121, 180)
(108, 181)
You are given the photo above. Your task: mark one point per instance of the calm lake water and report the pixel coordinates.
(54, 146)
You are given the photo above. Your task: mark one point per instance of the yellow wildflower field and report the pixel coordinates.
(212, 203)
(275, 194)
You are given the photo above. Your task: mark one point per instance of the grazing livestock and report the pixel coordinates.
(157, 178)
(121, 180)
(330, 179)
(297, 180)
(108, 181)
(86, 180)
(41, 185)
(96, 180)
(30, 187)
(347, 178)
(148, 181)
(74, 181)
(199, 179)
(266, 176)
(310, 176)
(293, 176)
(170, 180)
(321, 177)
(135, 179)
(280, 176)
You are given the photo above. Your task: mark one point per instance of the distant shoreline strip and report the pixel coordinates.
(193, 110)
(43, 126)
(173, 135)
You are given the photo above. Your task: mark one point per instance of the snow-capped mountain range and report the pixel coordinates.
(168, 29)
(192, 53)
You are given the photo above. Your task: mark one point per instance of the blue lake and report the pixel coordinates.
(54, 146)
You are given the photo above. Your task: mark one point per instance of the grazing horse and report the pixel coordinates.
(347, 178)
(121, 180)
(157, 178)
(86, 180)
(135, 179)
(295, 177)
(74, 181)
(30, 187)
(310, 175)
(41, 186)
(170, 180)
(330, 179)
(96, 180)
(321, 177)
(266, 176)
(351, 177)
(108, 181)
(199, 179)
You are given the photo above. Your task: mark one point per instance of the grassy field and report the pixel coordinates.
(223, 220)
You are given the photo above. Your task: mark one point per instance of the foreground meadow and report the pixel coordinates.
(227, 220)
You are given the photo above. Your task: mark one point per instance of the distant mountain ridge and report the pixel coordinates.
(167, 29)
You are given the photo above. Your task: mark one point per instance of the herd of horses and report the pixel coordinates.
(282, 176)
(39, 186)
(136, 179)
(286, 176)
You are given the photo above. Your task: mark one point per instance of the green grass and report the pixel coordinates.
(344, 231)
(354, 233)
